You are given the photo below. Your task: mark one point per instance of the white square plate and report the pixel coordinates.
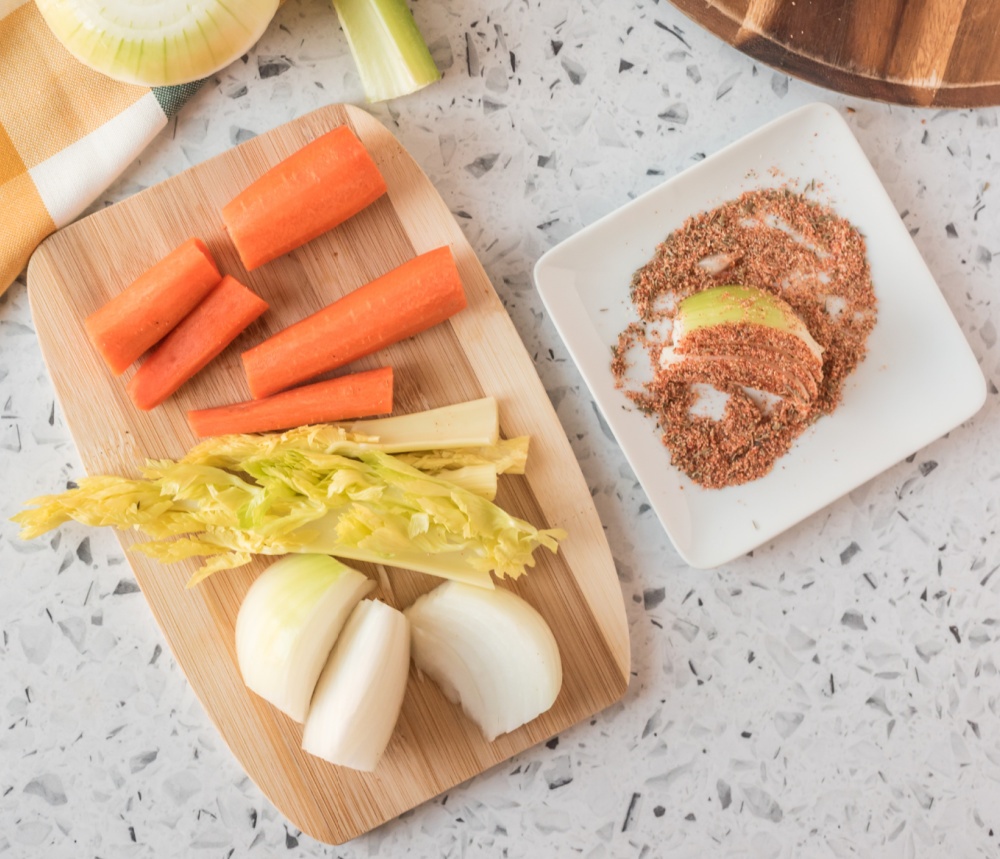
(915, 348)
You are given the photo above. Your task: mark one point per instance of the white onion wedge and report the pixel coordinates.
(157, 42)
(287, 624)
(489, 651)
(360, 692)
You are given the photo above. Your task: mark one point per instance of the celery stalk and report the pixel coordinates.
(390, 53)
(507, 456)
(368, 506)
(478, 479)
(472, 424)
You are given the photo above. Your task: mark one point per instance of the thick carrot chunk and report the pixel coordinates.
(312, 191)
(142, 315)
(409, 299)
(198, 338)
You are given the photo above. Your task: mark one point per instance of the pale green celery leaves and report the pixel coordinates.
(232, 451)
(368, 507)
(101, 501)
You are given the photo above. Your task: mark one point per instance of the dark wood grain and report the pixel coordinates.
(927, 53)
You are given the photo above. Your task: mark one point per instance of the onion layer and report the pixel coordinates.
(288, 623)
(489, 651)
(360, 692)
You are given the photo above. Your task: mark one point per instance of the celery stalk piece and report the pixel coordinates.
(390, 53)
(368, 507)
(472, 424)
(449, 437)
(507, 456)
(478, 479)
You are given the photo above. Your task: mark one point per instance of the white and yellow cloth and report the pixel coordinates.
(66, 132)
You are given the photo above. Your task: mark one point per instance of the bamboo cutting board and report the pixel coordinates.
(476, 353)
(927, 53)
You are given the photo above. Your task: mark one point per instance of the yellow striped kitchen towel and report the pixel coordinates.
(66, 132)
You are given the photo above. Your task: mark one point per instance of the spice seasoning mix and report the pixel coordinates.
(772, 239)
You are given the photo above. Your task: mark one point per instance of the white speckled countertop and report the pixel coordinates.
(836, 694)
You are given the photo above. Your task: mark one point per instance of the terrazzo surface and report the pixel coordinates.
(836, 694)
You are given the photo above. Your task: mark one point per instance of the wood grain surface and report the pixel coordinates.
(477, 353)
(928, 53)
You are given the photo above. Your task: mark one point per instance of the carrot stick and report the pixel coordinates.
(141, 315)
(409, 299)
(356, 396)
(197, 339)
(310, 192)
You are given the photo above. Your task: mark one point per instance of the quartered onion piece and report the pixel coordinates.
(360, 692)
(287, 625)
(489, 651)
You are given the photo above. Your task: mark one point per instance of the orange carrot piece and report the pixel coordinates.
(361, 395)
(409, 299)
(312, 191)
(197, 339)
(147, 310)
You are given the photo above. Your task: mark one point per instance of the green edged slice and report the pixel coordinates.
(391, 55)
(738, 335)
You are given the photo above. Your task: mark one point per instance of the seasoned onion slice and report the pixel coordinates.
(739, 335)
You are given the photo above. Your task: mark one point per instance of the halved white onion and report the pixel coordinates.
(157, 42)
(288, 623)
(489, 651)
(360, 692)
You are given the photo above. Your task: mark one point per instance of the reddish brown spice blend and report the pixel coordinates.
(771, 239)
